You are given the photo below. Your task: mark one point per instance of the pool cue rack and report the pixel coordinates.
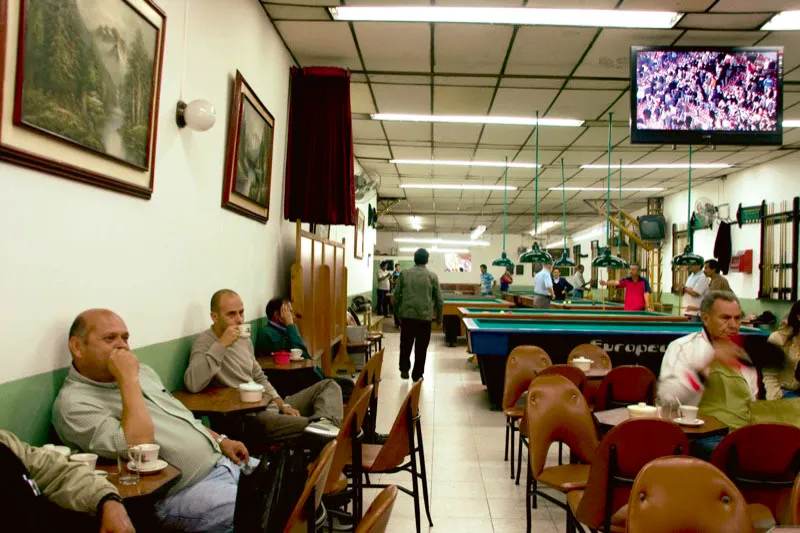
(779, 250)
(751, 215)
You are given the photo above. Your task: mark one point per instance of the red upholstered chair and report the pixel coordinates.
(626, 385)
(795, 510)
(622, 453)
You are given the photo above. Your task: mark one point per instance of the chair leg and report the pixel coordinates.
(512, 449)
(519, 456)
(423, 474)
(528, 494)
(508, 435)
(415, 490)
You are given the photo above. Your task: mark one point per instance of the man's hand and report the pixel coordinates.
(114, 518)
(286, 314)
(230, 336)
(727, 353)
(235, 451)
(290, 411)
(123, 365)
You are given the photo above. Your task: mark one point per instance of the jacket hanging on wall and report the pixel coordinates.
(722, 247)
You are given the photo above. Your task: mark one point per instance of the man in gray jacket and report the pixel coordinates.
(418, 299)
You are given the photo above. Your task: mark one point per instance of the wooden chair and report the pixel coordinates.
(685, 494)
(523, 364)
(622, 453)
(303, 515)
(378, 514)
(599, 357)
(370, 375)
(404, 440)
(557, 412)
(626, 385)
(348, 452)
(763, 461)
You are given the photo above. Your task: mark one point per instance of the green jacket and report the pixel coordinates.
(274, 339)
(417, 295)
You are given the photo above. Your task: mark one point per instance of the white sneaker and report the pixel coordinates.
(324, 428)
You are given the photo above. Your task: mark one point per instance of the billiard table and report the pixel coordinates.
(578, 303)
(615, 315)
(451, 320)
(627, 343)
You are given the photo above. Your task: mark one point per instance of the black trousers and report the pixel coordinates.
(416, 333)
(383, 302)
(451, 327)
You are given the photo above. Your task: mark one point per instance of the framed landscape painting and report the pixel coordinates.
(80, 86)
(248, 160)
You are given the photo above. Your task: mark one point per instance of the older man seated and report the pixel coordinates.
(222, 357)
(110, 402)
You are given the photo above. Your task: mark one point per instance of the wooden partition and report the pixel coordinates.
(319, 297)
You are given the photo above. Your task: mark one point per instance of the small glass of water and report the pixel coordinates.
(126, 475)
(665, 408)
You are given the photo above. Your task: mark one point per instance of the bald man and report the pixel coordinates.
(110, 402)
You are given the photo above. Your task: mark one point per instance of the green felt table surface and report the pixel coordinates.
(566, 327)
(565, 312)
(474, 301)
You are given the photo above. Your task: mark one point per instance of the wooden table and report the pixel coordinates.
(218, 400)
(148, 483)
(267, 362)
(291, 378)
(711, 428)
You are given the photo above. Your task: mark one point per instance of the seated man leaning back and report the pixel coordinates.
(220, 356)
(110, 402)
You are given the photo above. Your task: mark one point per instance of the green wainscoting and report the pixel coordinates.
(26, 403)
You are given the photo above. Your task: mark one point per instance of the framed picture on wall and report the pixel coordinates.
(248, 159)
(321, 230)
(358, 240)
(82, 80)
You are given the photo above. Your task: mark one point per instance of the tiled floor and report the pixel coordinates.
(471, 491)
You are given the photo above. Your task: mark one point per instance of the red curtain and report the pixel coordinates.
(320, 186)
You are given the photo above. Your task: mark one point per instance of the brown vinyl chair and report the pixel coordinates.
(763, 460)
(685, 494)
(622, 453)
(303, 515)
(599, 357)
(626, 385)
(348, 452)
(523, 364)
(557, 412)
(378, 514)
(370, 375)
(404, 440)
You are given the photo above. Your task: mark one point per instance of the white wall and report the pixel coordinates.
(68, 246)
(773, 182)
(359, 271)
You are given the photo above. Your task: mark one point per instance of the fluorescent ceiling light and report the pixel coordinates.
(501, 164)
(459, 186)
(791, 123)
(477, 232)
(785, 20)
(642, 189)
(675, 166)
(440, 241)
(544, 226)
(440, 250)
(595, 18)
(471, 119)
(557, 244)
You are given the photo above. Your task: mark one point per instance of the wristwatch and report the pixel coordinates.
(284, 406)
(221, 438)
(108, 497)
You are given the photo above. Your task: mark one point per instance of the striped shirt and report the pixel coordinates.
(486, 283)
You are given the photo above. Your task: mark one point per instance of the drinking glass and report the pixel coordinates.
(665, 409)
(126, 475)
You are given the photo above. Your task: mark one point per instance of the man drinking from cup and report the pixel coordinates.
(109, 402)
(220, 356)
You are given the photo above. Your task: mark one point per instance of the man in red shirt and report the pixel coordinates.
(637, 290)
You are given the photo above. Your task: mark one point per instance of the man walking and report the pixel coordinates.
(384, 286)
(418, 299)
(543, 288)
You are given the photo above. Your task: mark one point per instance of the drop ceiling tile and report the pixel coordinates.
(454, 154)
(550, 137)
(621, 109)
(597, 84)
(279, 12)
(371, 151)
(392, 79)
(320, 43)
(669, 5)
(496, 134)
(471, 81)
(763, 5)
(532, 83)
(579, 104)
(367, 129)
(470, 48)
(456, 133)
(726, 21)
(598, 137)
(523, 102)
(610, 55)
(394, 46)
(461, 100)
(564, 48)
(381, 167)
(719, 38)
(408, 131)
(404, 152)
(361, 98)
(403, 99)
(330, 3)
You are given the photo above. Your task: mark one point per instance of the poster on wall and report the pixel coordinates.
(82, 81)
(457, 262)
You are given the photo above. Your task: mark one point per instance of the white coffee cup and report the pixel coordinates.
(89, 459)
(688, 413)
(297, 354)
(244, 331)
(149, 453)
(63, 450)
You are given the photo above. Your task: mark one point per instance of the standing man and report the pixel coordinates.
(560, 285)
(693, 292)
(417, 299)
(487, 282)
(578, 282)
(384, 286)
(543, 288)
(716, 281)
(637, 289)
(395, 279)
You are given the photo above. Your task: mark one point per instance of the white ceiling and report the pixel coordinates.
(509, 70)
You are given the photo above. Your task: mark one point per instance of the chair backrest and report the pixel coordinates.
(298, 520)
(397, 447)
(626, 385)
(763, 460)
(370, 375)
(523, 364)
(794, 511)
(599, 357)
(345, 440)
(685, 494)
(377, 517)
(622, 453)
(574, 374)
(558, 412)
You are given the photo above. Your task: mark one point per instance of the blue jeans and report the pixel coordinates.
(577, 293)
(206, 506)
(703, 448)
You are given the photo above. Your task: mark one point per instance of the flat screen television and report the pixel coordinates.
(652, 227)
(690, 95)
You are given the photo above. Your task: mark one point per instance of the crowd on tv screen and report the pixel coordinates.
(708, 90)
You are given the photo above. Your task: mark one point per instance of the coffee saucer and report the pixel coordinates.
(151, 468)
(296, 358)
(691, 423)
